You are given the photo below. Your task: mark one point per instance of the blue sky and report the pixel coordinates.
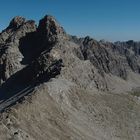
(101, 19)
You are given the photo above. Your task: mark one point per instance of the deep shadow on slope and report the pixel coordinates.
(16, 87)
(23, 83)
(28, 47)
(31, 47)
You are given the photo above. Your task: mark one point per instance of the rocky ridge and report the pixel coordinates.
(23, 44)
(71, 77)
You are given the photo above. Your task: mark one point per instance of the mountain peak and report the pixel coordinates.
(16, 22)
(51, 29)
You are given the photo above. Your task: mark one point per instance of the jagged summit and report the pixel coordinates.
(25, 42)
(50, 29)
(50, 24)
(16, 22)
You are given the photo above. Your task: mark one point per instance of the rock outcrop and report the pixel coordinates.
(21, 45)
(11, 56)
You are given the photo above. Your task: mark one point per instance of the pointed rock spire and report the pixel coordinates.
(16, 22)
(50, 29)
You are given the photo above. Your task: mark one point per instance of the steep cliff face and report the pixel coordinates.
(66, 86)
